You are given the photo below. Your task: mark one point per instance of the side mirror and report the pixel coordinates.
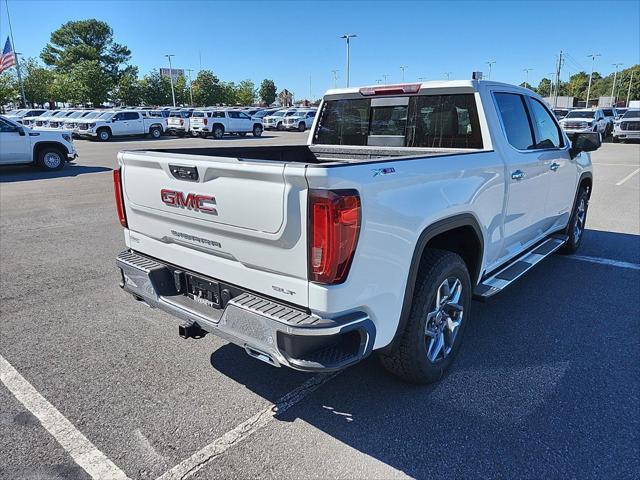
(584, 142)
(113, 120)
(21, 131)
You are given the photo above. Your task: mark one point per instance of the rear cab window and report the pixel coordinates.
(433, 121)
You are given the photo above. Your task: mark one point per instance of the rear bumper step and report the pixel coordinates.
(270, 331)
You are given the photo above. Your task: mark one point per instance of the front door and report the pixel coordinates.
(14, 148)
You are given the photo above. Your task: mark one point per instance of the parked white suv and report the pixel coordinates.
(275, 121)
(585, 120)
(122, 123)
(300, 120)
(18, 115)
(48, 149)
(407, 202)
(217, 123)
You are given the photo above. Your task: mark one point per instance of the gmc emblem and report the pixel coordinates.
(192, 201)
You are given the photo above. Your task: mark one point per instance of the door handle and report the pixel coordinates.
(554, 166)
(517, 175)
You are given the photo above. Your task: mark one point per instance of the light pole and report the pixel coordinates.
(448, 75)
(347, 37)
(335, 78)
(593, 61)
(386, 78)
(490, 63)
(526, 76)
(629, 90)
(24, 99)
(173, 94)
(403, 68)
(613, 89)
(190, 87)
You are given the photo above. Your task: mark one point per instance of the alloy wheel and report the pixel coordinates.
(444, 320)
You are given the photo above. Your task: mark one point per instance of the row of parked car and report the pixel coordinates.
(137, 121)
(622, 123)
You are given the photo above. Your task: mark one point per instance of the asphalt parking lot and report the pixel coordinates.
(546, 385)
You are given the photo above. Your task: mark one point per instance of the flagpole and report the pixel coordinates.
(13, 45)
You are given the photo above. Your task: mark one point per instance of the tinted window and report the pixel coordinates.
(388, 120)
(632, 114)
(130, 116)
(344, 122)
(311, 114)
(515, 120)
(218, 115)
(580, 114)
(244, 116)
(444, 121)
(7, 127)
(233, 114)
(608, 112)
(546, 130)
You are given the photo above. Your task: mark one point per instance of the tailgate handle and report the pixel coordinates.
(184, 173)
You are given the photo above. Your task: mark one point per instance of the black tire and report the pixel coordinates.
(280, 126)
(104, 134)
(302, 127)
(155, 132)
(577, 223)
(51, 158)
(218, 132)
(257, 130)
(409, 358)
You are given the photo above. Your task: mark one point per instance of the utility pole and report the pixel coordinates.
(386, 78)
(558, 68)
(490, 63)
(593, 61)
(448, 75)
(629, 90)
(613, 89)
(403, 68)
(190, 87)
(347, 37)
(173, 94)
(15, 54)
(526, 76)
(335, 78)
(310, 96)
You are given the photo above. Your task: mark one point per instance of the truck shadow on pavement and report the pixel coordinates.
(546, 385)
(23, 173)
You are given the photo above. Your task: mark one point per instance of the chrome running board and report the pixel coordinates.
(505, 276)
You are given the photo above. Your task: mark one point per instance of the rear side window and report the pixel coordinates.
(515, 120)
(217, 114)
(546, 129)
(130, 115)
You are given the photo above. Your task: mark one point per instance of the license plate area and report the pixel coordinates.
(203, 291)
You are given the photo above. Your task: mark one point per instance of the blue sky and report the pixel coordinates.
(293, 41)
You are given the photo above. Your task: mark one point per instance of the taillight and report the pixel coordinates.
(181, 122)
(205, 121)
(117, 189)
(334, 225)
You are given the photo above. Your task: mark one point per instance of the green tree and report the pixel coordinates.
(246, 93)
(182, 91)
(86, 40)
(128, 90)
(62, 89)
(9, 91)
(229, 93)
(156, 89)
(207, 89)
(544, 87)
(577, 86)
(91, 84)
(37, 81)
(267, 91)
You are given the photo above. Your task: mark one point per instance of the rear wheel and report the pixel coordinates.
(439, 313)
(577, 222)
(50, 158)
(280, 126)
(302, 127)
(155, 132)
(218, 132)
(257, 130)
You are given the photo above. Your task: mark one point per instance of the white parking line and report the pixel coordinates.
(83, 452)
(238, 434)
(606, 261)
(628, 177)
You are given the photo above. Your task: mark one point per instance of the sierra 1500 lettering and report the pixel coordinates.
(407, 202)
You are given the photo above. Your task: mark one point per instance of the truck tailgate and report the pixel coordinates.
(240, 221)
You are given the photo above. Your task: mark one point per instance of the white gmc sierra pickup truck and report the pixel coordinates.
(407, 202)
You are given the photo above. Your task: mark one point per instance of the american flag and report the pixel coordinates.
(8, 59)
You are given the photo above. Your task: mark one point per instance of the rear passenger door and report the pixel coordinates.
(527, 175)
(134, 123)
(554, 153)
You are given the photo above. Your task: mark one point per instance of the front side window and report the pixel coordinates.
(546, 130)
(131, 116)
(6, 127)
(512, 110)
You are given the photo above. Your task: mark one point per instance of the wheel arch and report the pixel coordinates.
(459, 234)
(39, 146)
(156, 125)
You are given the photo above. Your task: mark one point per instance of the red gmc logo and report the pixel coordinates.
(192, 201)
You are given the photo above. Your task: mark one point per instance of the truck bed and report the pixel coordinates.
(314, 154)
